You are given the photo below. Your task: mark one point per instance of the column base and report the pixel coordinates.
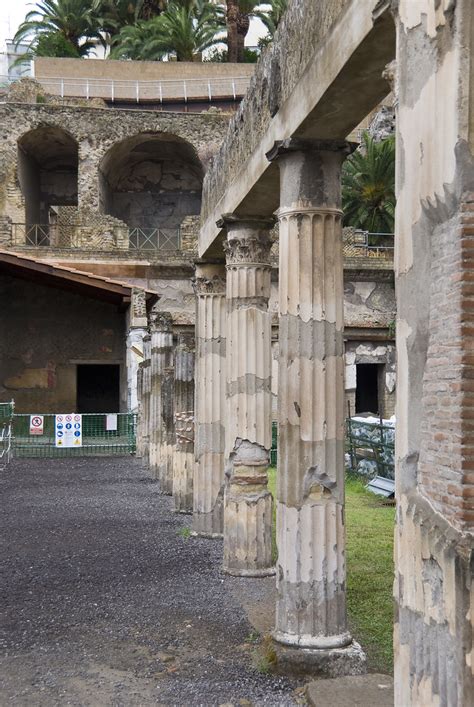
(264, 572)
(320, 662)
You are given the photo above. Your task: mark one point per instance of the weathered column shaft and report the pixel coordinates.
(161, 357)
(311, 603)
(247, 503)
(145, 407)
(208, 490)
(139, 432)
(183, 459)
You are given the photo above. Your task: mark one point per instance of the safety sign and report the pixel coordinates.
(68, 430)
(36, 424)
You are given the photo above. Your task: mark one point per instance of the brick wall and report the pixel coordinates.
(447, 457)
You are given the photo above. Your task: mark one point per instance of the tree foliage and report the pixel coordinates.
(368, 186)
(184, 29)
(78, 22)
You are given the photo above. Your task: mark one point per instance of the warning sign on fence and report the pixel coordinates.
(68, 430)
(36, 424)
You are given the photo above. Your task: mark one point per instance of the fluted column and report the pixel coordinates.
(139, 429)
(183, 458)
(161, 359)
(145, 404)
(311, 572)
(248, 504)
(208, 492)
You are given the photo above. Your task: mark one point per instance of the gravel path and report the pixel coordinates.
(104, 602)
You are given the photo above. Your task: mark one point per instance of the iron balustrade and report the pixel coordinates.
(160, 91)
(91, 237)
(367, 244)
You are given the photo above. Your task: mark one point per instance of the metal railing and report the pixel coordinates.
(90, 237)
(97, 439)
(368, 245)
(158, 91)
(371, 447)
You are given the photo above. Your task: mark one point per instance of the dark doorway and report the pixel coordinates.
(98, 388)
(367, 388)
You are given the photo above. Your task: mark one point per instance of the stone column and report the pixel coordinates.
(161, 362)
(208, 494)
(145, 408)
(183, 458)
(311, 572)
(139, 429)
(248, 504)
(137, 329)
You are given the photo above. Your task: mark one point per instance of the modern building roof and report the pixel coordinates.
(66, 278)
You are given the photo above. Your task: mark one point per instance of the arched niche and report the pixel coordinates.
(47, 172)
(151, 181)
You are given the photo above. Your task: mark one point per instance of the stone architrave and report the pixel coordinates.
(248, 504)
(183, 459)
(161, 361)
(311, 571)
(208, 492)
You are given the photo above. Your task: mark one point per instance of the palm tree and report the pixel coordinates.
(120, 13)
(78, 21)
(271, 18)
(368, 186)
(238, 22)
(185, 28)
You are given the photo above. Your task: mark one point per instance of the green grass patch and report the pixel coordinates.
(369, 552)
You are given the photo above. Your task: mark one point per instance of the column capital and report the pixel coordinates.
(248, 239)
(295, 144)
(160, 321)
(209, 278)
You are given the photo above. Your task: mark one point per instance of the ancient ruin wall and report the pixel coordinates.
(96, 131)
(434, 232)
(282, 64)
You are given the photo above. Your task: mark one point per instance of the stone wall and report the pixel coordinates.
(95, 131)
(434, 232)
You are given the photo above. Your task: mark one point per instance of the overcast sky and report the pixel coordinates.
(12, 12)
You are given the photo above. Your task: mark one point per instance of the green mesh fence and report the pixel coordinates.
(96, 439)
(274, 449)
(6, 415)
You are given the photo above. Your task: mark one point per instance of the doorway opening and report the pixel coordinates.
(367, 388)
(98, 388)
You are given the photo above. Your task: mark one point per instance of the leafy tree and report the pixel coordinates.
(184, 29)
(77, 21)
(368, 186)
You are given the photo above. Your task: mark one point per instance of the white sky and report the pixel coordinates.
(12, 13)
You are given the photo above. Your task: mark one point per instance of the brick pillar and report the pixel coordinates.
(209, 285)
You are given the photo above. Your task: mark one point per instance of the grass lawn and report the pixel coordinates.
(369, 551)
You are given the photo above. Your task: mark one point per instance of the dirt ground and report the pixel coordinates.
(104, 600)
